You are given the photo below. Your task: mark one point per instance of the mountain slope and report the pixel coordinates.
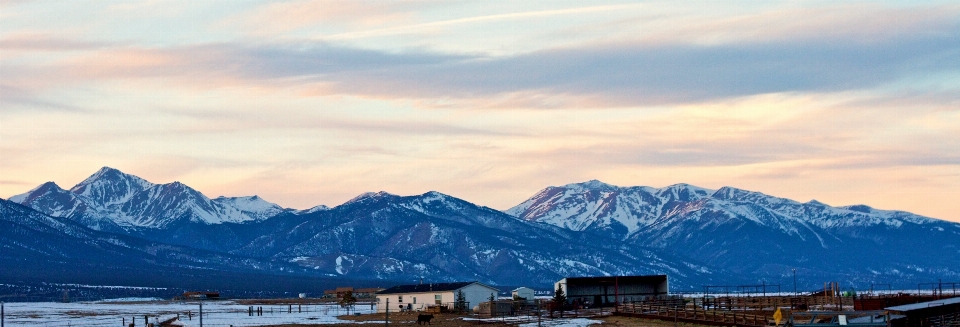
(36, 249)
(385, 236)
(695, 235)
(30, 236)
(753, 233)
(596, 206)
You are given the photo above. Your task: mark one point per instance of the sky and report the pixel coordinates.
(314, 102)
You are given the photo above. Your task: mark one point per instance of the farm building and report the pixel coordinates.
(525, 293)
(357, 293)
(419, 296)
(604, 291)
(495, 308)
(944, 312)
(201, 295)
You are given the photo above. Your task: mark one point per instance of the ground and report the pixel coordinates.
(274, 313)
(457, 320)
(628, 321)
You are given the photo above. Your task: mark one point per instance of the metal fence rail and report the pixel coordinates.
(692, 315)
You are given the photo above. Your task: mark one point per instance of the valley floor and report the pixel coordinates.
(238, 313)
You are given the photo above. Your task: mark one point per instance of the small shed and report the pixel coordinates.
(495, 308)
(525, 293)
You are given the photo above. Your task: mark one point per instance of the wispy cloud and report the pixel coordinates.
(614, 75)
(475, 19)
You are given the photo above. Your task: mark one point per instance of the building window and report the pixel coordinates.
(414, 300)
(437, 299)
(399, 298)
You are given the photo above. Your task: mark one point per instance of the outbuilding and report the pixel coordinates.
(943, 312)
(525, 293)
(608, 290)
(418, 297)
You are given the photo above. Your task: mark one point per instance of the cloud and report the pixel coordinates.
(412, 28)
(609, 75)
(14, 99)
(287, 16)
(631, 75)
(859, 22)
(34, 42)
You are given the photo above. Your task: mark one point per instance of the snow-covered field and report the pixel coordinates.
(215, 313)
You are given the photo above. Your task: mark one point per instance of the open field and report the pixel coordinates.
(215, 313)
(236, 313)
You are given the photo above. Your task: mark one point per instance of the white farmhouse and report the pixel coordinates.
(418, 296)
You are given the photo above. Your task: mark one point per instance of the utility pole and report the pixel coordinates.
(539, 313)
(677, 313)
(794, 281)
(201, 312)
(386, 317)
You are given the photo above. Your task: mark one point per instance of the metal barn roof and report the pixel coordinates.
(925, 305)
(620, 279)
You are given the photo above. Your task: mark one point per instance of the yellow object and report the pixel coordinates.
(777, 316)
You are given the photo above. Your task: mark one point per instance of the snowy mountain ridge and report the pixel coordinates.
(751, 232)
(695, 235)
(594, 205)
(110, 199)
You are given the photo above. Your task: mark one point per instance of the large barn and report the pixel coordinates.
(418, 296)
(604, 291)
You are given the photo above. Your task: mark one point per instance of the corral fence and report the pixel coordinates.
(525, 312)
(681, 313)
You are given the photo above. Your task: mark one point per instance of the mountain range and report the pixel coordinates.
(695, 235)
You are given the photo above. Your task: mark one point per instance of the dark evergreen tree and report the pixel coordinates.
(558, 297)
(460, 304)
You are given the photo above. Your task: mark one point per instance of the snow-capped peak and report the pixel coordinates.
(253, 206)
(41, 190)
(889, 215)
(313, 209)
(371, 196)
(53, 200)
(109, 186)
(596, 205)
(729, 193)
(684, 192)
(110, 196)
(434, 196)
(592, 184)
